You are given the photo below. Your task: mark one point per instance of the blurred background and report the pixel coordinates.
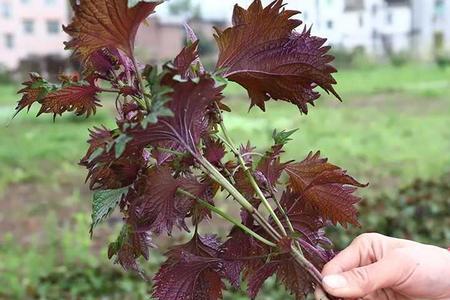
(392, 130)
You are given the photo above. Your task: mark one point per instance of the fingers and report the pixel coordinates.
(362, 251)
(362, 281)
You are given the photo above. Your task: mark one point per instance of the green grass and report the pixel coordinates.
(421, 80)
(394, 124)
(383, 144)
(36, 148)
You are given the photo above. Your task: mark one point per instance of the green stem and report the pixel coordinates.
(286, 217)
(253, 153)
(220, 179)
(141, 82)
(263, 199)
(309, 267)
(169, 151)
(250, 176)
(227, 185)
(227, 217)
(105, 90)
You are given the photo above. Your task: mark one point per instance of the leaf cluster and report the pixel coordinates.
(169, 158)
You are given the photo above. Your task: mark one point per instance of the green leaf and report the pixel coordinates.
(152, 118)
(283, 137)
(120, 144)
(159, 96)
(95, 154)
(115, 246)
(104, 203)
(220, 81)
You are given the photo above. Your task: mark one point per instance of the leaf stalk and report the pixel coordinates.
(249, 175)
(227, 217)
(220, 179)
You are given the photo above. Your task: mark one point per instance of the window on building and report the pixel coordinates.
(439, 7)
(361, 21)
(28, 26)
(9, 41)
(374, 34)
(50, 2)
(389, 18)
(330, 24)
(53, 27)
(25, 1)
(5, 10)
(374, 10)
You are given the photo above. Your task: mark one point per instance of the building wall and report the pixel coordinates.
(16, 43)
(372, 24)
(431, 21)
(447, 25)
(158, 42)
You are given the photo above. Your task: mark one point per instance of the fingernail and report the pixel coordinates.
(335, 281)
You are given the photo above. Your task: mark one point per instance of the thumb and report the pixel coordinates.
(362, 281)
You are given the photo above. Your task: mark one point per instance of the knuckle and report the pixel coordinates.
(362, 277)
(367, 237)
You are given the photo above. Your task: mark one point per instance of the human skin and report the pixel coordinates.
(379, 267)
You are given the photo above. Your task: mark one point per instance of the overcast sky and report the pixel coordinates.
(222, 9)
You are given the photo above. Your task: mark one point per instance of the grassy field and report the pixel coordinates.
(393, 126)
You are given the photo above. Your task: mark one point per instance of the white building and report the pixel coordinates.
(377, 26)
(34, 27)
(31, 27)
(381, 26)
(431, 26)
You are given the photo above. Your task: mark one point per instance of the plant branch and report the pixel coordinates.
(141, 82)
(253, 153)
(106, 90)
(227, 217)
(249, 175)
(286, 217)
(220, 179)
(170, 151)
(308, 266)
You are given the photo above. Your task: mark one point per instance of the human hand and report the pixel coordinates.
(379, 267)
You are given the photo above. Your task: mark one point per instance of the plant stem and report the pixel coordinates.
(219, 178)
(264, 200)
(309, 267)
(253, 153)
(141, 82)
(228, 218)
(227, 185)
(320, 294)
(250, 176)
(286, 217)
(169, 151)
(105, 90)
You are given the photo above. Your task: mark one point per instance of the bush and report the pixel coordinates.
(418, 212)
(89, 283)
(443, 60)
(5, 76)
(400, 59)
(347, 59)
